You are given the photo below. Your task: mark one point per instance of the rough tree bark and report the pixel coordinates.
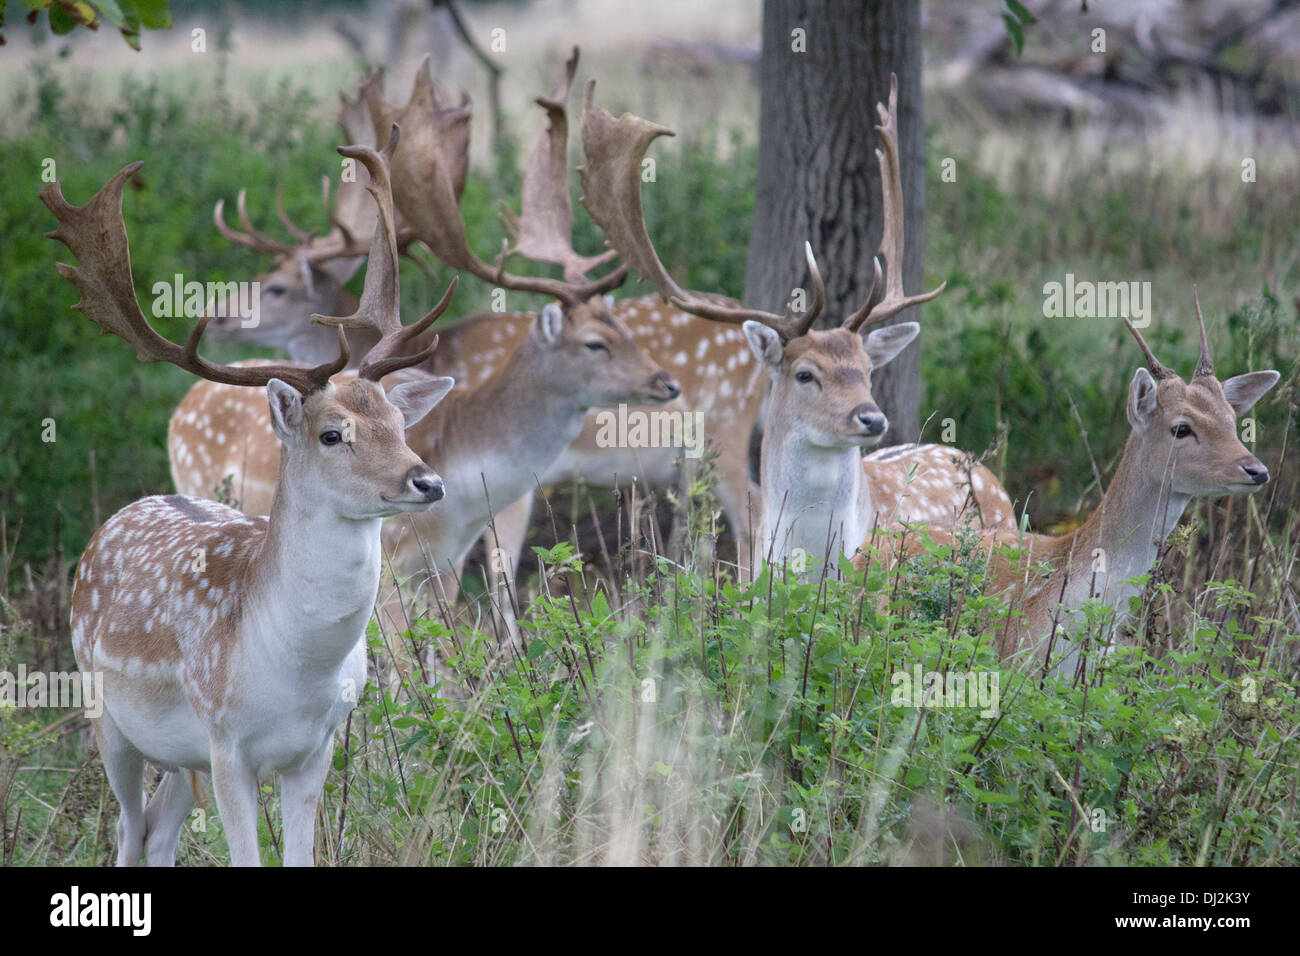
(817, 170)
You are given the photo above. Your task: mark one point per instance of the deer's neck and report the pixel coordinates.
(508, 430)
(1136, 514)
(812, 496)
(315, 583)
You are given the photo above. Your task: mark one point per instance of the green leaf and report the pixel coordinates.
(1023, 15)
(110, 11)
(1016, 32)
(993, 796)
(154, 14)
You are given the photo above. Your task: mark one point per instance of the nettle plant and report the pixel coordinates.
(683, 718)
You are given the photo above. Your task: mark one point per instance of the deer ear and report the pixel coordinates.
(883, 345)
(416, 399)
(1141, 399)
(342, 270)
(550, 324)
(1243, 391)
(286, 409)
(764, 343)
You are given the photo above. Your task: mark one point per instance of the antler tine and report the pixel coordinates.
(96, 235)
(1158, 370)
(269, 243)
(854, 322)
(302, 235)
(611, 193)
(819, 290)
(1204, 366)
(894, 300)
(380, 298)
(253, 240)
(543, 231)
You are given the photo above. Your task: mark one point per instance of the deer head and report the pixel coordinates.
(1192, 425)
(592, 348)
(343, 442)
(821, 380)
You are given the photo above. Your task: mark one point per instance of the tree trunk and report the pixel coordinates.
(817, 171)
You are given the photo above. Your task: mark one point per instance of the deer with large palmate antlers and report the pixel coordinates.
(228, 644)
(713, 365)
(720, 379)
(500, 432)
(820, 496)
(1184, 443)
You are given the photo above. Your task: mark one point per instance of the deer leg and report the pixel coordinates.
(235, 786)
(165, 815)
(300, 793)
(125, 768)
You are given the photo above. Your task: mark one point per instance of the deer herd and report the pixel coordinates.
(230, 640)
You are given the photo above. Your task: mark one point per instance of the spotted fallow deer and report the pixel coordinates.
(820, 496)
(500, 432)
(713, 365)
(1183, 444)
(227, 644)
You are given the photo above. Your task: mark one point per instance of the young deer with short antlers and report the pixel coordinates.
(820, 496)
(1184, 443)
(233, 645)
(501, 432)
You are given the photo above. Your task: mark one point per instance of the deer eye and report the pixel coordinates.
(330, 437)
(1181, 430)
(275, 289)
(597, 346)
(803, 376)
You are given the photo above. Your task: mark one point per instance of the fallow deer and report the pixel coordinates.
(229, 644)
(819, 495)
(501, 432)
(712, 364)
(1184, 443)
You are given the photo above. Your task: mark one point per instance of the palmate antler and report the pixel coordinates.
(381, 296)
(96, 235)
(543, 231)
(429, 175)
(611, 183)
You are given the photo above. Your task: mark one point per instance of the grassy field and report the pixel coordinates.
(661, 713)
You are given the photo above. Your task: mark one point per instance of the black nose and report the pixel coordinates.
(871, 418)
(664, 381)
(1258, 473)
(429, 485)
